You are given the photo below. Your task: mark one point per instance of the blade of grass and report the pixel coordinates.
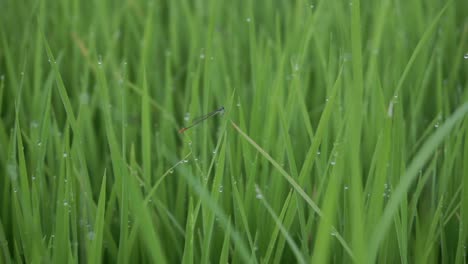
(95, 254)
(410, 175)
(419, 46)
(223, 218)
(284, 231)
(291, 181)
(274, 234)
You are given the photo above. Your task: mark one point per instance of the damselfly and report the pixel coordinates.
(200, 119)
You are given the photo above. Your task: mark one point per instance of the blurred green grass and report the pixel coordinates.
(344, 137)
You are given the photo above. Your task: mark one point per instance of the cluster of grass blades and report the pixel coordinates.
(343, 135)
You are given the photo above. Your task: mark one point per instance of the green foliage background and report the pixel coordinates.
(344, 137)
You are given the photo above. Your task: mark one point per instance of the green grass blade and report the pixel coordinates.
(410, 174)
(96, 247)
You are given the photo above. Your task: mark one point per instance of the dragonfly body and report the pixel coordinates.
(200, 119)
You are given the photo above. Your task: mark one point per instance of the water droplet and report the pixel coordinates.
(185, 161)
(465, 56)
(436, 125)
(202, 56)
(318, 152)
(258, 192)
(187, 117)
(220, 189)
(326, 100)
(214, 152)
(33, 178)
(296, 67)
(84, 98)
(248, 20)
(39, 143)
(91, 235)
(65, 203)
(333, 233)
(65, 155)
(22, 73)
(117, 34)
(171, 171)
(347, 57)
(238, 104)
(15, 190)
(12, 171)
(311, 6)
(100, 60)
(333, 163)
(390, 109)
(346, 187)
